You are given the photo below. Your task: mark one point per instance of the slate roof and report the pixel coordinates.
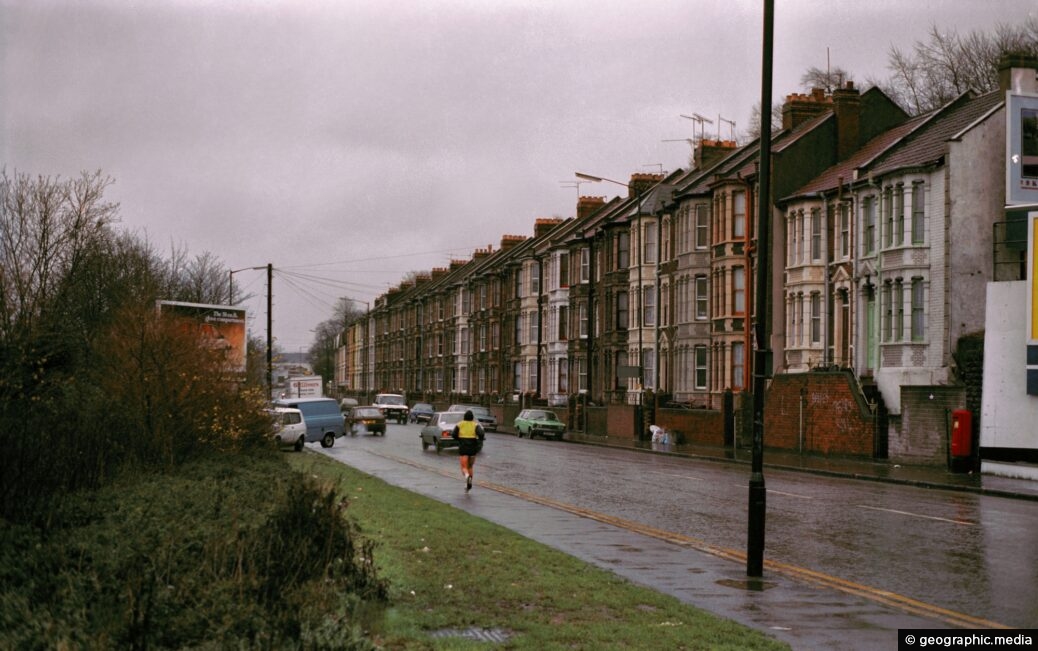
(830, 178)
(918, 142)
(929, 145)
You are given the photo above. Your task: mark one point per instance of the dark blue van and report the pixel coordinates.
(323, 418)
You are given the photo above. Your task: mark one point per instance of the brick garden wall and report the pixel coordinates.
(696, 426)
(826, 406)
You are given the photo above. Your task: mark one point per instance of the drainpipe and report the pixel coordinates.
(827, 298)
(748, 312)
(540, 320)
(590, 307)
(659, 304)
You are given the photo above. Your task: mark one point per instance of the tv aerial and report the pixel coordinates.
(574, 184)
(701, 121)
(730, 123)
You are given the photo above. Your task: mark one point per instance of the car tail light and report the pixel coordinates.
(446, 433)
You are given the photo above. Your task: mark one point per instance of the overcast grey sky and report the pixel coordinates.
(357, 141)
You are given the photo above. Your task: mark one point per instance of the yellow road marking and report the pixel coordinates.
(885, 597)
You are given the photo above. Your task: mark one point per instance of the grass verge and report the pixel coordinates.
(449, 571)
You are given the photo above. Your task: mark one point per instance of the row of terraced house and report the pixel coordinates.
(886, 229)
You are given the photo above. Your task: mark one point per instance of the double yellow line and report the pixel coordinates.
(885, 597)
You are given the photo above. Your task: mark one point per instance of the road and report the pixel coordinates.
(974, 555)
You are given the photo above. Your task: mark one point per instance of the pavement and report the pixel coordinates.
(854, 468)
(804, 609)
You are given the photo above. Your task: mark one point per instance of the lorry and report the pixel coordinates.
(304, 386)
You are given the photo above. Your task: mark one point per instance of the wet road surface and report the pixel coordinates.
(948, 558)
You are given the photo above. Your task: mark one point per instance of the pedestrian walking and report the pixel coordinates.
(469, 435)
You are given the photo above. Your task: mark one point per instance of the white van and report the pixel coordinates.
(289, 427)
(323, 419)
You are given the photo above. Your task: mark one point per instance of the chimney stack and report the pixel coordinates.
(1017, 73)
(641, 183)
(847, 106)
(708, 152)
(801, 108)
(508, 241)
(544, 225)
(588, 205)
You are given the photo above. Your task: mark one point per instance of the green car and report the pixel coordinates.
(539, 422)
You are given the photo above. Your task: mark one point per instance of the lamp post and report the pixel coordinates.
(757, 492)
(230, 284)
(638, 215)
(270, 340)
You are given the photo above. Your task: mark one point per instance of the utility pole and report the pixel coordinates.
(270, 336)
(757, 492)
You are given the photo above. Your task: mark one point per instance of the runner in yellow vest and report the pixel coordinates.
(469, 435)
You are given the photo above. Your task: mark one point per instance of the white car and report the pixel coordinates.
(393, 406)
(289, 427)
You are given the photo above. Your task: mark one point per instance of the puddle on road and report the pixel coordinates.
(753, 585)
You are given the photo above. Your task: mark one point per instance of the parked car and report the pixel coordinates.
(393, 406)
(365, 419)
(288, 427)
(323, 419)
(539, 422)
(437, 432)
(421, 412)
(482, 414)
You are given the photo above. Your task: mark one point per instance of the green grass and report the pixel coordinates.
(449, 570)
(268, 550)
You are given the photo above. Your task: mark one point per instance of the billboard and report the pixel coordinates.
(1021, 149)
(1032, 304)
(220, 327)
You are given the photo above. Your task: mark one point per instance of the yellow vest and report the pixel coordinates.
(467, 429)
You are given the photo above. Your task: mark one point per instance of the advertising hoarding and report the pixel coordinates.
(219, 327)
(1021, 149)
(1032, 304)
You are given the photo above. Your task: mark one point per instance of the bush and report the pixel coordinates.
(230, 551)
(91, 380)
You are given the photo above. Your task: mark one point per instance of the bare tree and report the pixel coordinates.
(46, 227)
(946, 65)
(828, 80)
(753, 131)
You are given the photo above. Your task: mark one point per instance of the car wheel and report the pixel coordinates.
(558, 437)
(438, 447)
(300, 443)
(328, 440)
(425, 444)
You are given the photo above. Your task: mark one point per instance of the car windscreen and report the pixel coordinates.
(367, 412)
(391, 400)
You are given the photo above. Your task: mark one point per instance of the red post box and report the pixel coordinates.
(962, 433)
